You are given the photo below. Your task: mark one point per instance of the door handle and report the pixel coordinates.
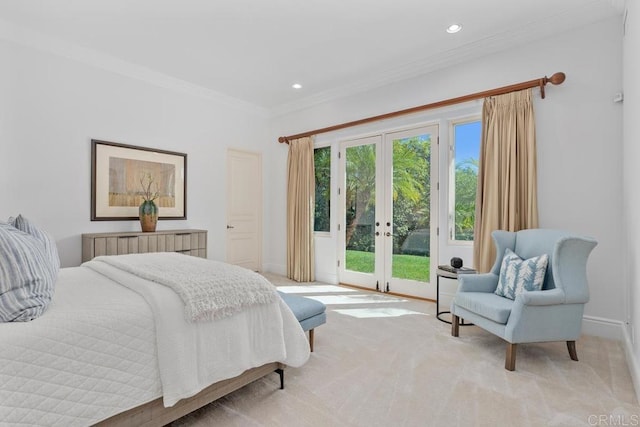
(230, 226)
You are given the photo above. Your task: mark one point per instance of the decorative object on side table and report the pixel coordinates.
(456, 262)
(148, 210)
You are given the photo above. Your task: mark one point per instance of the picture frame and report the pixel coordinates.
(120, 173)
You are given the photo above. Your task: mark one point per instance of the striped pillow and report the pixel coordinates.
(27, 278)
(23, 224)
(518, 275)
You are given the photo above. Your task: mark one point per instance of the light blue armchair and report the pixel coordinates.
(551, 314)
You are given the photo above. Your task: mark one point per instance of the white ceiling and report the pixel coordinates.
(254, 50)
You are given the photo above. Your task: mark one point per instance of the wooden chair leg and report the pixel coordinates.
(311, 339)
(455, 325)
(571, 346)
(510, 362)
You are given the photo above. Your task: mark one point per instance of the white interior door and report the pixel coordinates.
(244, 209)
(387, 234)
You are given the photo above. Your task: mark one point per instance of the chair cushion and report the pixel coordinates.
(314, 321)
(303, 308)
(485, 304)
(518, 275)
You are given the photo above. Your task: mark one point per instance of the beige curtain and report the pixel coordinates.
(507, 183)
(300, 210)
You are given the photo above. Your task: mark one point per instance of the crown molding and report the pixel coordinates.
(56, 46)
(524, 33)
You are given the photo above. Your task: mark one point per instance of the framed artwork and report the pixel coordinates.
(122, 174)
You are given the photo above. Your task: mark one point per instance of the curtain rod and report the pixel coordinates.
(555, 79)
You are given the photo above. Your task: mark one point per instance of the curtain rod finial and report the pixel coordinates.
(282, 139)
(557, 78)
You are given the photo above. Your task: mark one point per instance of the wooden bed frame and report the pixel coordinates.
(155, 414)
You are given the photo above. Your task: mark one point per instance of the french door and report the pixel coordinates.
(388, 191)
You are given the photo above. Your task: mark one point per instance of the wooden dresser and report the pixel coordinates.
(189, 242)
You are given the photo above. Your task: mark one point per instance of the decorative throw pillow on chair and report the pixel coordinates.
(518, 275)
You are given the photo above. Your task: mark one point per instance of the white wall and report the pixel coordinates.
(55, 106)
(579, 134)
(6, 77)
(631, 156)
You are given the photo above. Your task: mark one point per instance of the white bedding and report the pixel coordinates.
(192, 356)
(94, 353)
(90, 355)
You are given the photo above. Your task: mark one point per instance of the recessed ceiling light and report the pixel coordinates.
(454, 28)
(296, 86)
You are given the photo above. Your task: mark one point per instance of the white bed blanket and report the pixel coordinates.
(191, 356)
(209, 289)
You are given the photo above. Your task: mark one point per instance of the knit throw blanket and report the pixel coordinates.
(210, 289)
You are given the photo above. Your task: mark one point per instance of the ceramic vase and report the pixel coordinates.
(148, 216)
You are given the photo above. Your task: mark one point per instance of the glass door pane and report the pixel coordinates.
(360, 254)
(411, 195)
(411, 200)
(360, 206)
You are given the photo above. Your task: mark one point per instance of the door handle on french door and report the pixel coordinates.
(230, 226)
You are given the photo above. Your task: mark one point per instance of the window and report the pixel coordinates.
(322, 163)
(463, 182)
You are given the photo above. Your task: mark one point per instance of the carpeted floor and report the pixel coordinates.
(387, 361)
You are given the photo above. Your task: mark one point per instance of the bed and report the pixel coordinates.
(114, 348)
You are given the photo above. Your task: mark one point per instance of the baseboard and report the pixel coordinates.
(282, 270)
(331, 279)
(601, 327)
(275, 269)
(632, 361)
(617, 330)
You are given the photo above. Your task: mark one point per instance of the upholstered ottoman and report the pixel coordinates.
(309, 312)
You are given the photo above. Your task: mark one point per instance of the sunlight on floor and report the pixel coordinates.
(355, 299)
(313, 289)
(338, 295)
(362, 313)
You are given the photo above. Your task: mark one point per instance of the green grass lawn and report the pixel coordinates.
(404, 266)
